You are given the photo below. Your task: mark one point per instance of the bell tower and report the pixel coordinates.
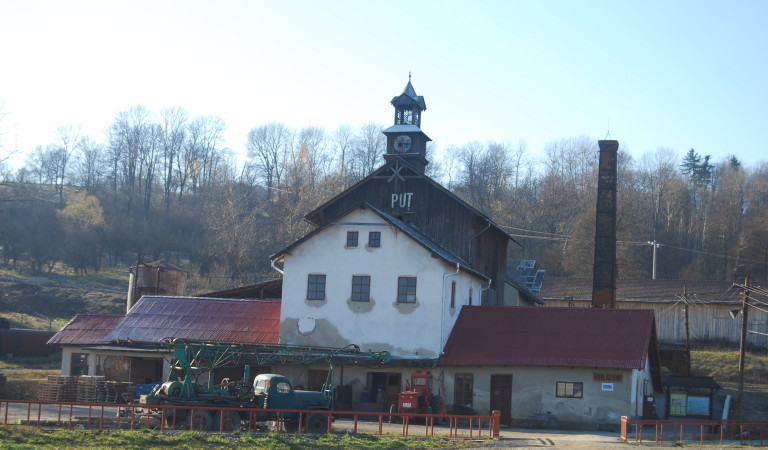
(405, 139)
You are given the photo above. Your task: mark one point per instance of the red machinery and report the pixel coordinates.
(418, 397)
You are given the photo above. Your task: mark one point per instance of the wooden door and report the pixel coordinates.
(501, 397)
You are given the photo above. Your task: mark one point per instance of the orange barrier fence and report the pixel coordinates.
(720, 432)
(103, 416)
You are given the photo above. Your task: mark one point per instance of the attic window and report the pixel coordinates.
(352, 238)
(374, 239)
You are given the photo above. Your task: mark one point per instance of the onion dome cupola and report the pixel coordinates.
(405, 139)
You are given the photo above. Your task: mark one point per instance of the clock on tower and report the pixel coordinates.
(405, 139)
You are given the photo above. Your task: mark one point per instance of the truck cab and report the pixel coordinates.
(275, 391)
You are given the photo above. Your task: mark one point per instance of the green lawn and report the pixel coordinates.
(18, 437)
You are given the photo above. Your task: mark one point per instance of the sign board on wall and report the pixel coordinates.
(698, 406)
(608, 377)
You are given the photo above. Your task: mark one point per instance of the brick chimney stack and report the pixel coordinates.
(604, 273)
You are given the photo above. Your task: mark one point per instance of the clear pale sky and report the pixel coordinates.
(678, 74)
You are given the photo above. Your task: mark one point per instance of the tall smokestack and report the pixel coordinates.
(604, 273)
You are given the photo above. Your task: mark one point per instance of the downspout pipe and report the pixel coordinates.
(490, 281)
(272, 264)
(442, 310)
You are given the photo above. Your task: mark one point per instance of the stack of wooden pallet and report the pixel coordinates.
(90, 389)
(59, 389)
(114, 391)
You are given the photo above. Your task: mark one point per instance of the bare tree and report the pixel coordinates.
(90, 166)
(268, 146)
(369, 149)
(173, 134)
(342, 142)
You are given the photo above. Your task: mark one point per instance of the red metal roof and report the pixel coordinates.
(86, 329)
(156, 317)
(540, 336)
(554, 288)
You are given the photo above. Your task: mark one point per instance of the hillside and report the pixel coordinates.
(51, 301)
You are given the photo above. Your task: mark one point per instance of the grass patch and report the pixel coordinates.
(31, 368)
(18, 437)
(723, 366)
(35, 322)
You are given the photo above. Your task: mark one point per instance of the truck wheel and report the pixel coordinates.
(175, 418)
(199, 420)
(226, 421)
(291, 426)
(393, 410)
(317, 423)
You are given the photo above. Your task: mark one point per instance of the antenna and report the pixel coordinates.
(607, 132)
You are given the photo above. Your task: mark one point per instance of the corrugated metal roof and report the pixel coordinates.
(86, 329)
(536, 336)
(156, 317)
(554, 288)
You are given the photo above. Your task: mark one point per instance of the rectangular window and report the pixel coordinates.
(361, 288)
(470, 296)
(351, 238)
(570, 389)
(462, 389)
(316, 287)
(453, 294)
(406, 290)
(374, 239)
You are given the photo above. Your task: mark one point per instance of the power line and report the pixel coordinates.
(565, 237)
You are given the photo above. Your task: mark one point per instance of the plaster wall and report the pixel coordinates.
(416, 330)
(96, 357)
(534, 391)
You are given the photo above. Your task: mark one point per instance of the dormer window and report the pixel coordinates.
(352, 238)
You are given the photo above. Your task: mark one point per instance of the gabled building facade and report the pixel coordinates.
(585, 366)
(367, 278)
(401, 189)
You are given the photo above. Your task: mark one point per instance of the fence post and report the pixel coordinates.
(496, 414)
(623, 435)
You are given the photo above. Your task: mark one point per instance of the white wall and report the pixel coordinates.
(416, 330)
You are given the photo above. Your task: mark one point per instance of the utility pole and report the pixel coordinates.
(743, 345)
(687, 333)
(655, 245)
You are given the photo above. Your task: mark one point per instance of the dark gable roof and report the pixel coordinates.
(410, 231)
(86, 329)
(536, 336)
(314, 216)
(271, 289)
(154, 318)
(554, 288)
(692, 382)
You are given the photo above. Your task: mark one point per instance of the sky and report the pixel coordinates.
(675, 74)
